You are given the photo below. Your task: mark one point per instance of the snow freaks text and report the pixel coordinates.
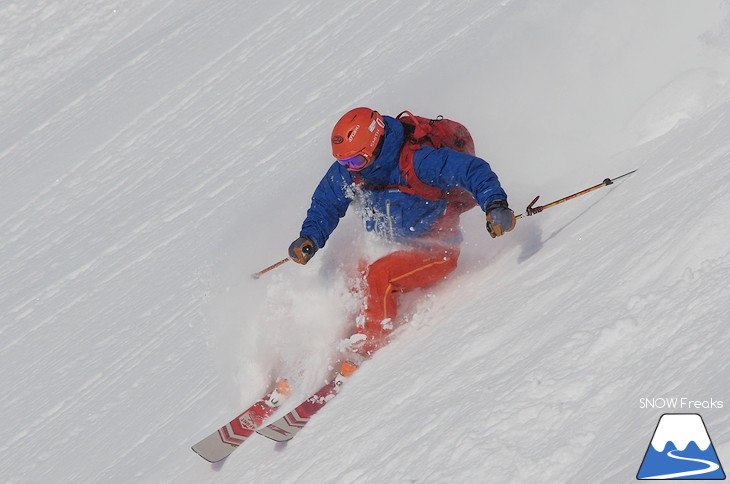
(679, 403)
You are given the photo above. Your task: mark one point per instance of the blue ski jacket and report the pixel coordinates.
(392, 213)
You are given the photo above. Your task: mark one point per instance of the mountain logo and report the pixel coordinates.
(680, 449)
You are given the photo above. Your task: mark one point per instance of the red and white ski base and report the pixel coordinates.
(221, 443)
(285, 428)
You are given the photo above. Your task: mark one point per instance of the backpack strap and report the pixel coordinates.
(416, 134)
(414, 185)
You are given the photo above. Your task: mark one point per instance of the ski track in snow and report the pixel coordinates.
(155, 154)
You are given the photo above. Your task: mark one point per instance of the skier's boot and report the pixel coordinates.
(263, 409)
(351, 363)
(281, 391)
(352, 357)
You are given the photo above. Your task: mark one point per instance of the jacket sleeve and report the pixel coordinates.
(446, 169)
(329, 205)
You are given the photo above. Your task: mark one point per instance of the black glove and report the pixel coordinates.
(302, 249)
(500, 218)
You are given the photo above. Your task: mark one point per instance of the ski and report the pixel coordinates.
(285, 428)
(221, 443)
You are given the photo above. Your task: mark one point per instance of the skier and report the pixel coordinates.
(370, 170)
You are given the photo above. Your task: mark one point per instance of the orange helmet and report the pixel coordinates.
(355, 137)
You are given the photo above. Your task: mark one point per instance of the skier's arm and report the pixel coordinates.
(446, 169)
(329, 204)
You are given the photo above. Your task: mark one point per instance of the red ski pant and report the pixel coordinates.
(397, 273)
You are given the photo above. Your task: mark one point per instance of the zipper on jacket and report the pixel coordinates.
(390, 220)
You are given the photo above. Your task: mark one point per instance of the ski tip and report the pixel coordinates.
(211, 460)
(213, 449)
(275, 435)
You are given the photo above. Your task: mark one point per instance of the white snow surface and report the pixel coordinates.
(154, 154)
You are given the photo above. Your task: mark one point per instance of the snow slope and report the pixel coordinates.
(153, 154)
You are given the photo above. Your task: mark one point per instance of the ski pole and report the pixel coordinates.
(270, 268)
(530, 210)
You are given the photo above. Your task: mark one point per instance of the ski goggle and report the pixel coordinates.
(354, 163)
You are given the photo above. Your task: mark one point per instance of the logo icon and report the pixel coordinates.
(680, 449)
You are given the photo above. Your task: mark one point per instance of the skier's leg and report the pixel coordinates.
(396, 273)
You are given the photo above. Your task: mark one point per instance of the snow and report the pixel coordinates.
(154, 154)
